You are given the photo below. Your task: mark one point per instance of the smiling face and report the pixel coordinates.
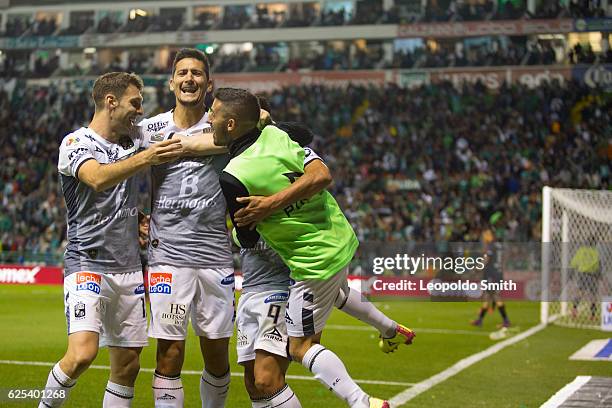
(125, 111)
(190, 82)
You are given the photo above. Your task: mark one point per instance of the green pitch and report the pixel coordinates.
(522, 375)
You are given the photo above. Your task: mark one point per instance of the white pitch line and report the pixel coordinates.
(416, 329)
(564, 393)
(192, 372)
(419, 388)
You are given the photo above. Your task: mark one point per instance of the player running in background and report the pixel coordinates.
(103, 284)
(312, 236)
(493, 272)
(191, 272)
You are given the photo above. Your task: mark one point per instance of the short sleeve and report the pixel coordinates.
(74, 151)
(310, 155)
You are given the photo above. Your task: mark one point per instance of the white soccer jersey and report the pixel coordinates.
(187, 207)
(102, 226)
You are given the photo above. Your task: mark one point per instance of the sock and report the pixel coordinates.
(284, 398)
(57, 381)
(502, 312)
(355, 306)
(168, 391)
(213, 390)
(483, 312)
(330, 371)
(119, 396)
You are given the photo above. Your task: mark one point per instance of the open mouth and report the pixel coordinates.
(189, 89)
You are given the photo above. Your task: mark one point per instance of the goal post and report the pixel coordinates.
(576, 255)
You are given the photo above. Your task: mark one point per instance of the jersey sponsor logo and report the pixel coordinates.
(79, 311)
(193, 203)
(176, 314)
(307, 151)
(242, 340)
(277, 297)
(72, 140)
(157, 126)
(88, 281)
(157, 137)
(228, 280)
(126, 212)
(77, 153)
(140, 289)
(273, 334)
(160, 282)
(166, 397)
(294, 207)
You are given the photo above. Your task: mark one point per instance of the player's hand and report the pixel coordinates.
(264, 119)
(187, 143)
(165, 151)
(257, 209)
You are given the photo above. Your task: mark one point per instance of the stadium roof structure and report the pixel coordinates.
(14, 3)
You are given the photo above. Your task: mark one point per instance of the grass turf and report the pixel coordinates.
(522, 375)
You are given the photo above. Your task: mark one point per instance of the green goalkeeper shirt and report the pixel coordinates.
(312, 236)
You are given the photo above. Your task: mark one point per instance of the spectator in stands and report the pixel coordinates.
(418, 164)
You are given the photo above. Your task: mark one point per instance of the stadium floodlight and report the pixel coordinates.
(571, 220)
(137, 12)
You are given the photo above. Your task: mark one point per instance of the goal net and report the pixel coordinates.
(576, 255)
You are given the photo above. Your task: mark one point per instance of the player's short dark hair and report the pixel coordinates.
(264, 103)
(114, 83)
(239, 103)
(192, 53)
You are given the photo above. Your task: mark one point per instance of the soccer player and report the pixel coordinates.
(312, 236)
(492, 273)
(191, 272)
(262, 332)
(103, 284)
(586, 264)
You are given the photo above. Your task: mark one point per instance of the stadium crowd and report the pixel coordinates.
(436, 163)
(267, 58)
(426, 164)
(235, 17)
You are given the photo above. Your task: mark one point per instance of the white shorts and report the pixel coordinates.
(311, 302)
(261, 324)
(112, 305)
(207, 295)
